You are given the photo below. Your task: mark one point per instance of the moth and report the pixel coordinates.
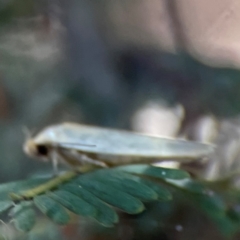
(75, 144)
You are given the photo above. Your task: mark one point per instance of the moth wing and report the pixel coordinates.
(117, 143)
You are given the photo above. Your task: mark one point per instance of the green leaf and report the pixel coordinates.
(73, 203)
(52, 209)
(190, 185)
(105, 214)
(225, 225)
(212, 205)
(216, 210)
(114, 197)
(126, 183)
(157, 172)
(4, 205)
(162, 192)
(24, 216)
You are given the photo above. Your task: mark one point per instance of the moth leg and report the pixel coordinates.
(85, 159)
(89, 160)
(55, 160)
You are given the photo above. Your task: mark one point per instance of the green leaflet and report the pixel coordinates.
(216, 210)
(73, 203)
(212, 205)
(190, 185)
(105, 214)
(52, 209)
(157, 172)
(225, 225)
(114, 197)
(126, 183)
(136, 186)
(133, 188)
(162, 192)
(24, 216)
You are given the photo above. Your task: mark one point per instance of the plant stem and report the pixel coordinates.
(51, 184)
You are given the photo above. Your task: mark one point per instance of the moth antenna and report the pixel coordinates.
(77, 144)
(55, 160)
(27, 133)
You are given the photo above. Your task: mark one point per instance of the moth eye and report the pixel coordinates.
(42, 150)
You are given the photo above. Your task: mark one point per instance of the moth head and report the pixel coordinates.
(32, 149)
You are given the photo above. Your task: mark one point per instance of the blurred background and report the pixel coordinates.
(162, 67)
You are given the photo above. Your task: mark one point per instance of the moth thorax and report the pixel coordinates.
(35, 150)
